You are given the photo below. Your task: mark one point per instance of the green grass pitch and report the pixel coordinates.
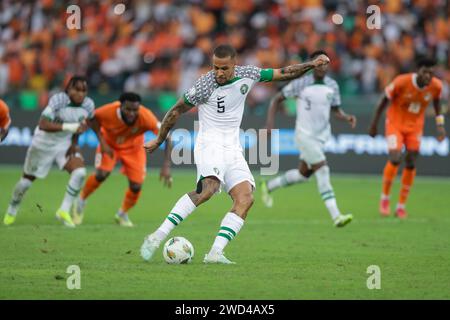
(291, 251)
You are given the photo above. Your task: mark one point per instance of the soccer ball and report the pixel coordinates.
(178, 250)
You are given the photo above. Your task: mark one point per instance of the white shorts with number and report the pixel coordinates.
(226, 164)
(311, 149)
(39, 161)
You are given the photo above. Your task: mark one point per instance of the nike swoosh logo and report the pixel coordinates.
(220, 98)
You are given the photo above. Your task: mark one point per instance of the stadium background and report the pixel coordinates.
(159, 48)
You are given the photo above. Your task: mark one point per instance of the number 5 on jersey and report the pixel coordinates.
(220, 104)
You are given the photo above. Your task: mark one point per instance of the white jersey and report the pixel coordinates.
(60, 109)
(314, 102)
(221, 107)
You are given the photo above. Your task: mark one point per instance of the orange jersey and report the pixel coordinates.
(408, 101)
(117, 133)
(5, 120)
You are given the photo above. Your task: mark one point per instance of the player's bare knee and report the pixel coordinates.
(101, 175)
(206, 194)
(395, 158)
(206, 188)
(410, 163)
(317, 166)
(304, 170)
(245, 201)
(135, 187)
(29, 177)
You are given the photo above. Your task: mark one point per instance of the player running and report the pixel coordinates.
(55, 140)
(120, 127)
(317, 94)
(408, 95)
(220, 96)
(5, 120)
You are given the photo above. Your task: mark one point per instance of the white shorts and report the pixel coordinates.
(38, 162)
(311, 149)
(226, 164)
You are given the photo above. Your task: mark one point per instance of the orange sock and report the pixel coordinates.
(130, 200)
(407, 182)
(389, 174)
(91, 185)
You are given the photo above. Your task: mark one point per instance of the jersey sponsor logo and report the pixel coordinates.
(244, 88)
(428, 97)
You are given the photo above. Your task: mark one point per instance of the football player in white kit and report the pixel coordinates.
(317, 94)
(55, 140)
(220, 96)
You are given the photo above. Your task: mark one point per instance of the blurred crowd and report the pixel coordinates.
(164, 45)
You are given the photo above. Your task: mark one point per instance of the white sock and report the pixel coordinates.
(400, 206)
(182, 209)
(229, 228)
(326, 191)
(18, 193)
(289, 177)
(73, 188)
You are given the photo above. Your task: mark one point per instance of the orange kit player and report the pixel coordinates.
(5, 120)
(120, 127)
(409, 95)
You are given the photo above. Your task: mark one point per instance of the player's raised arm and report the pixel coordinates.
(297, 70)
(167, 123)
(378, 112)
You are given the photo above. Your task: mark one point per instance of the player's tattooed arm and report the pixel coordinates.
(297, 70)
(341, 115)
(104, 146)
(439, 120)
(276, 104)
(376, 118)
(167, 124)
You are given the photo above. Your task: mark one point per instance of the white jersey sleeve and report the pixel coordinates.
(200, 92)
(336, 98)
(55, 103)
(254, 73)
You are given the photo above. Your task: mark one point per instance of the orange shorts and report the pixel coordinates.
(133, 162)
(397, 137)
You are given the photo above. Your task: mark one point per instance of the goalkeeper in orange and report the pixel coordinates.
(120, 128)
(408, 95)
